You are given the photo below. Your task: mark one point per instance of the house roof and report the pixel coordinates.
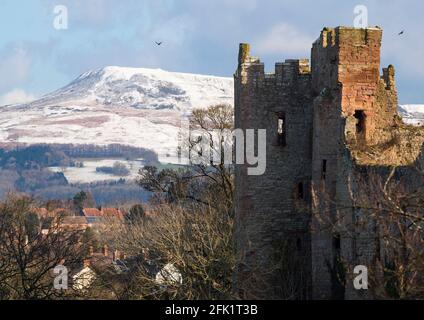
(62, 211)
(104, 212)
(74, 221)
(112, 212)
(92, 212)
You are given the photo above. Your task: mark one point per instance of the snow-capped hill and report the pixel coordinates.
(115, 105)
(142, 89)
(412, 114)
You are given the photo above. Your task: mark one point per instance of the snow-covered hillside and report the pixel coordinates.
(130, 106)
(412, 114)
(114, 105)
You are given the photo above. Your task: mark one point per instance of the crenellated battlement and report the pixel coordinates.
(348, 36)
(252, 69)
(299, 66)
(327, 38)
(389, 77)
(335, 46)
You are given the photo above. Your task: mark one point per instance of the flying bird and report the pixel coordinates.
(402, 32)
(158, 43)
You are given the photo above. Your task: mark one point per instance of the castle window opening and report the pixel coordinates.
(299, 244)
(338, 278)
(337, 243)
(324, 169)
(282, 130)
(300, 191)
(360, 121)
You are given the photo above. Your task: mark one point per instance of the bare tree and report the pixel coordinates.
(386, 209)
(187, 233)
(178, 253)
(213, 178)
(28, 256)
(396, 208)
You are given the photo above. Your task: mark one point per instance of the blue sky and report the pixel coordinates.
(198, 36)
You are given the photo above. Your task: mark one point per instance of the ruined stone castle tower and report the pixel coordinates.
(315, 114)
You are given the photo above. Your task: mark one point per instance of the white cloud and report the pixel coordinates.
(15, 97)
(15, 64)
(284, 38)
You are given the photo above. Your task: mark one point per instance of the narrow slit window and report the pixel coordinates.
(337, 245)
(299, 244)
(300, 191)
(281, 130)
(324, 169)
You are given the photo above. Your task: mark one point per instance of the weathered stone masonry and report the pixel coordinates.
(318, 118)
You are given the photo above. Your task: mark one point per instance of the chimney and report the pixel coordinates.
(105, 250)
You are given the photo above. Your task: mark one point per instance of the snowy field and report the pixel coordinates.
(88, 173)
